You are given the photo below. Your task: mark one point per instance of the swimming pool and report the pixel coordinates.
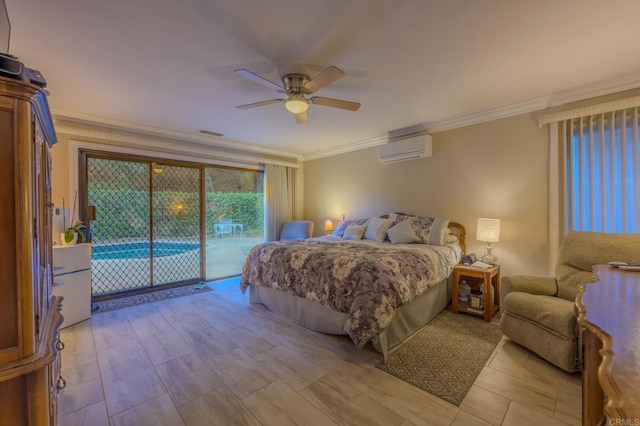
(140, 250)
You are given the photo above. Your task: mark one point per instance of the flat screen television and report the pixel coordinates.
(5, 28)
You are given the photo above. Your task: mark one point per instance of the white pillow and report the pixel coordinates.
(377, 229)
(353, 232)
(438, 231)
(402, 233)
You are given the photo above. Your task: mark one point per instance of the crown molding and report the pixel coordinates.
(486, 115)
(205, 140)
(579, 93)
(343, 149)
(101, 136)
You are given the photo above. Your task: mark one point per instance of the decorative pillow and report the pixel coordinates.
(377, 229)
(430, 230)
(339, 231)
(402, 233)
(353, 232)
(450, 238)
(438, 231)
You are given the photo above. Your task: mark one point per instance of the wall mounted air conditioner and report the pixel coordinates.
(405, 149)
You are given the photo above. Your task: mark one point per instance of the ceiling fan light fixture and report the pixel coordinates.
(296, 86)
(296, 104)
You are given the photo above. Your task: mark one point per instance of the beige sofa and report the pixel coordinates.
(539, 312)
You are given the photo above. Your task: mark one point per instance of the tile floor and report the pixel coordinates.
(215, 359)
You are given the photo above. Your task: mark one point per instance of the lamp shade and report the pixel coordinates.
(328, 225)
(488, 230)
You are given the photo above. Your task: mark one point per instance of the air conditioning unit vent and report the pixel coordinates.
(405, 149)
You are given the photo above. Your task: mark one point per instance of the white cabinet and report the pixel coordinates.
(72, 280)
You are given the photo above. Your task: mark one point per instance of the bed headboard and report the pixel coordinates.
(459, 231)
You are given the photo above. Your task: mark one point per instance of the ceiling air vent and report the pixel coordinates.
(210, 133)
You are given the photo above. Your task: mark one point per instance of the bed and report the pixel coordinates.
(374, 286)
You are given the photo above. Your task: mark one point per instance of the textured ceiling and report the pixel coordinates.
(169, 64)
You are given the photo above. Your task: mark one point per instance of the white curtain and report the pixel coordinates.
(280, 198)
(600, 155)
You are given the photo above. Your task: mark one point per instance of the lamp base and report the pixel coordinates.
(489, 257)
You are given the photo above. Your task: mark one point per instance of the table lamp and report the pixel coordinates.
(489, 232)
(328, 227)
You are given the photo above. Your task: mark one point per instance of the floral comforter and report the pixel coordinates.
(365, 279)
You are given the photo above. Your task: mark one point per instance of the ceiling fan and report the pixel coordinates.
(296, 86)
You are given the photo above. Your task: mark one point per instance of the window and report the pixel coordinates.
(602, 172)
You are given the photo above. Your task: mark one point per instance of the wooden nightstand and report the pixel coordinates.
(477, 278)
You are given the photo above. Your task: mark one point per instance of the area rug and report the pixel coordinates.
(140, 299)
(446, 355)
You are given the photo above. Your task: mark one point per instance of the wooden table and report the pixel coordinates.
(485, 277)
(609, 311)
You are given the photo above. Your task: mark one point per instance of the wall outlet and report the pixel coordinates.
(57, 227)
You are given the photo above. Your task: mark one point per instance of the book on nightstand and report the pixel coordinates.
(479, 264)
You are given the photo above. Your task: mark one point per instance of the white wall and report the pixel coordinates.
(497, 169)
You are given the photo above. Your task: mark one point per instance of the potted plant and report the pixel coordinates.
(77, 228)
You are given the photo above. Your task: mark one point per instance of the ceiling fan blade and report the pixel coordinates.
(327, 76)
(335, 103)
(262, 103)
(302, 117)
(255, 77)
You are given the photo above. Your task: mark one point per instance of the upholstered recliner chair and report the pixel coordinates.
(539, 312)
(296, 230)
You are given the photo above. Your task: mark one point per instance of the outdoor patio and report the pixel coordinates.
(225, 256)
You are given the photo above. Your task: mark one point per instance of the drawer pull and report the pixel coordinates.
(57, 268)
(60, 345)
(58, 283)
(61, 384)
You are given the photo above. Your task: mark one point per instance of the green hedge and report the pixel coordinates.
(242, 207)
(123, 214)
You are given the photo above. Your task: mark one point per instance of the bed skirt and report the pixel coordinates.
(408, 318)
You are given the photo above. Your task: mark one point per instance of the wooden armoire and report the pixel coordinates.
(29, 313)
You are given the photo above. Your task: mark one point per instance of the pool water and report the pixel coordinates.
(140, 250)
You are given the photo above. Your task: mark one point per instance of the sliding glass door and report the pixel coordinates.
(146, 230)
(175, 220)
(120, 192)
(234, 205)
(165, 223)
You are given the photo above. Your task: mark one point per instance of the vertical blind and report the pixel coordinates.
(602, 172)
